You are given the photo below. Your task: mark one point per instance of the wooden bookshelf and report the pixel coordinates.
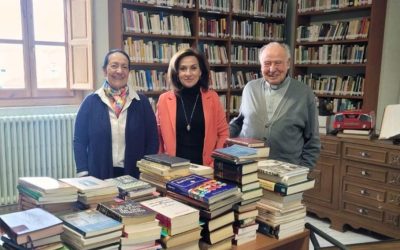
(214, 30)
(336, 52)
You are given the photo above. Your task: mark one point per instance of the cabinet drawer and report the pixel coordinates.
(393, 198)
(391, 219)
(364, 153)
(363, 211)
(394, 159)
(330, 147)
(364, 171)
(394, 178)
(369, 193)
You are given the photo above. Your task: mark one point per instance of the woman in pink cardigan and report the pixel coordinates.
(191, 120)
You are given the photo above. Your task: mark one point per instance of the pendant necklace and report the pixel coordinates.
(191, 115)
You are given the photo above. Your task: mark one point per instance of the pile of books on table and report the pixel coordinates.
(214, 199)
(91, 229)
(281, 212)
(140, 230)
(92, 190)
(180, 223)
(244, 174)
(47, 193)
(31, 229)
(158, 169)
(131, 188)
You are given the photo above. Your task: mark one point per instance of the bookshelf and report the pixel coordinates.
(229, 33)
(338, 51)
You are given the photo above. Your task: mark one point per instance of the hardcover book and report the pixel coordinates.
(91, 223)
(89, 183)
(128, 183)
(201, 188)
(170, 212)
(245, 141)
(283, 172)
(171, 161)
(235, 168)
(238, 152)
(34, 223)
(47, 185)
(127, 212)
(285, 189)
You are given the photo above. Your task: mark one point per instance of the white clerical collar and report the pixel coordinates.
(274, 87)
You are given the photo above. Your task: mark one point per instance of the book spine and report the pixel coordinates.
(164, 220)
(274, 187)
(226, 167)
(266, 229)
(104, 210)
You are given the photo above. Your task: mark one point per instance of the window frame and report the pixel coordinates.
(79, 58)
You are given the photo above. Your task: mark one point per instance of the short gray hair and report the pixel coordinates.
(283, 45)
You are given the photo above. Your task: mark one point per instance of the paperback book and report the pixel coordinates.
(171, 161)
(201, 188)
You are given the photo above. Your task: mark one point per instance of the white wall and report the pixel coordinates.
(389, 87)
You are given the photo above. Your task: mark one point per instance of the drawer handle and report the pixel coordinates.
(362, 211)
(364, 173)
(363, 192)
(364, 154)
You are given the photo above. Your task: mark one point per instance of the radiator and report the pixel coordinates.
(37, 145)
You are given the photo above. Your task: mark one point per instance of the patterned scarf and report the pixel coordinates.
(118, 96)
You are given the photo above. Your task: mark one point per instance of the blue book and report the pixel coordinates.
(91, 223)
(202, 188)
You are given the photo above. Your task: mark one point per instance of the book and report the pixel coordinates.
(90, 183)
(252, 194)
(127, 212)
(237, 178)
(91, 223)
(246, 215)
(283, 172)
(277, 197)
(172, 213)
(390, 122)
(32, 224)
(171, 161)
(200, 169)
(169, 241)
(78, 241)
(201, 188)
(222, 245)
(236, 152)
(47, 185)
(162, 170)
(218, 222)
(128, 183)
(245, 141)
(285, 189)
(355, 136)
(217, 235)
(223, 166)
(356, 131)
(202, 205)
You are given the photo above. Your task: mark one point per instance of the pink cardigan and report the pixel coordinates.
(216, 126)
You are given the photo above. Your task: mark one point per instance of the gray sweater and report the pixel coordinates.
(292, 133)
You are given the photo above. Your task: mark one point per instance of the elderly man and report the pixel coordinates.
(280, 110)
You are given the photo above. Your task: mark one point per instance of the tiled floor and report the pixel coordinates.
(350, 236)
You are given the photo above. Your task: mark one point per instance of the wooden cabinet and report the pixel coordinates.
(338, 51)
(326, 174)
(229, 33)
(368, 187)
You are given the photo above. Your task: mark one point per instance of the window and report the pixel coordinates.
(45, 51)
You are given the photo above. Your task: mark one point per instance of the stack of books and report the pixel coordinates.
(47, 193)
(281, 212)
(141, 229)
(92, 190)
(158, 169)
(213, 198)
(180, 223)
(91, 229)
(245, 175)
(31, 229)
(131, 188)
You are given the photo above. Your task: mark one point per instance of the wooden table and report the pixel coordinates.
(296, 242)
